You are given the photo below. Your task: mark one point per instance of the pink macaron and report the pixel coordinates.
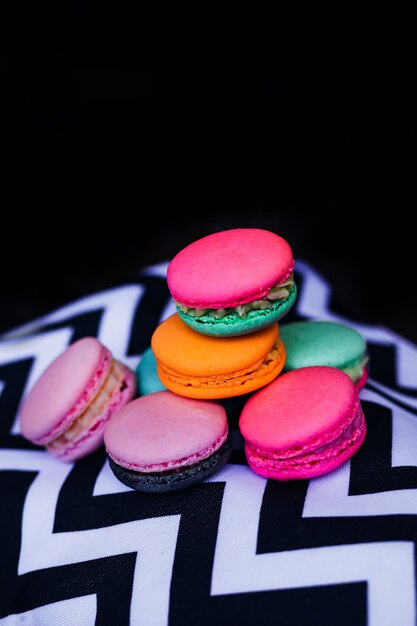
(233, 282)
(163, 442)
(305, 423)
(70, 404)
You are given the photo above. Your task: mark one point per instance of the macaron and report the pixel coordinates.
(316, 342)
(163, 442)
(148, 382)
(70, 404)
(210, 368)
(233, 282)
(147, 374)
(304, 424)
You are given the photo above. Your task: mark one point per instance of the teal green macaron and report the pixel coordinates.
(234, 323)
(316, 342)
(147, 374)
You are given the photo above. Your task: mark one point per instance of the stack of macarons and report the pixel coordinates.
(228, 337)
(165, 426)
(230, 290)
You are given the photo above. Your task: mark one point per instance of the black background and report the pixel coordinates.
(128, 129)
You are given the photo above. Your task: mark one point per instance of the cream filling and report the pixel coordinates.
(112, 383)
(355, 371)
(278, 292)
(241, 377)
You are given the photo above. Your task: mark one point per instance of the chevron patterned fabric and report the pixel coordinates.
(79, 548)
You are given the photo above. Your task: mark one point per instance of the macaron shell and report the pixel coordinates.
(233, 325)
(298, 407)
(220, 389)
(147, 377)
(93, 437)
(166, 482)
(321, 343)
(163, 428)
(64, 390)
(228, 268)
(319, 469)
(185, 351)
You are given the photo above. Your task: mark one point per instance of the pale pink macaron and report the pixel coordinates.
(305, 423)
(164, 442)
(72, 401)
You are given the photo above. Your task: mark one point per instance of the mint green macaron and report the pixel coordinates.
(316, 342)
(234, 323)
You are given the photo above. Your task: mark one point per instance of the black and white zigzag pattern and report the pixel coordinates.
(80, 548)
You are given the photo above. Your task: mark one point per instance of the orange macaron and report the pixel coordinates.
(198, 366)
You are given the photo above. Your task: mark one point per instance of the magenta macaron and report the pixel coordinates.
(233, 282)
(162, 442)
(72, 401)
(305, 423)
